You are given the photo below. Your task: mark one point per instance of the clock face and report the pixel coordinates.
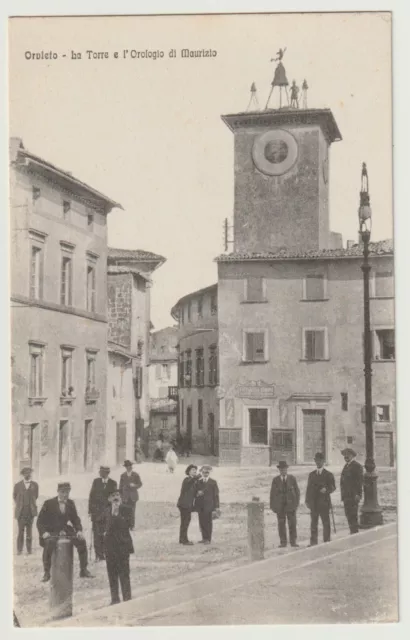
(275, 152)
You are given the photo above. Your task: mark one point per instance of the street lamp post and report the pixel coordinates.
(371, 513)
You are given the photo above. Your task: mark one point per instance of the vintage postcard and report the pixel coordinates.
(202, 300)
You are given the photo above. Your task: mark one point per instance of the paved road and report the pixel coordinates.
(353, 579)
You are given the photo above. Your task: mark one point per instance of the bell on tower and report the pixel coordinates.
(279, 80)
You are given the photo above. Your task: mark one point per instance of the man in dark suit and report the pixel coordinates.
(58, 517)
(130, 482)
(25, 494)
(206, 503)
(118, 547)
(321, 483)
(98, 503)
(351, 488)
(284, 500)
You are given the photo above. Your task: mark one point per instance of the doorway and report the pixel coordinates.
(63, 447)
(121, 446)
(211, 433)
(30, 447)
(189, 427)
(314, 431)
(88, 439)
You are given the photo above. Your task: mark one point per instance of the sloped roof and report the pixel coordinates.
(23, 156)
(139, 255)
(380, 248)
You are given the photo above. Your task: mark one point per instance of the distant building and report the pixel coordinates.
(163, 385)
(290, 305)
(197, 316)
(59, 317)
(129, 313)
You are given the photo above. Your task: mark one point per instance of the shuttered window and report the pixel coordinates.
(314, 344)
(254, 289)
(255, 346)
(314, 287)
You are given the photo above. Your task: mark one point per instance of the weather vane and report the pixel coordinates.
(279, 80)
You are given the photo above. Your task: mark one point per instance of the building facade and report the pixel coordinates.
(129, 314)
(58, 317)
(197, 316)
(163, 385)
(290, 305)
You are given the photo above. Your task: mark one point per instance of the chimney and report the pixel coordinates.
(350, 244)
(14, 145)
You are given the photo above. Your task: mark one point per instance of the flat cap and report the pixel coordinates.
(206, 467)
(26, 470)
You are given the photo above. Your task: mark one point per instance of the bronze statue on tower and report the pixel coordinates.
(279, 80)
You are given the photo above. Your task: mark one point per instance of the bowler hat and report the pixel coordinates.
(127, 463)
(63, 485)
(349, 452)
(189, 467)
(319, 456)
(26, 470)
(282, 464)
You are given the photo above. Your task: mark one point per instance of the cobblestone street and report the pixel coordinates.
(158, 556)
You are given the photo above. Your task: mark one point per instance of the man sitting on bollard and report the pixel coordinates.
(321, 483)
(118, 547)
(58, 517)
(284, 500)
(98, 503)
(25, 496)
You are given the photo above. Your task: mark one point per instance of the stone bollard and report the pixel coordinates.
(61, 584)
(256, 529)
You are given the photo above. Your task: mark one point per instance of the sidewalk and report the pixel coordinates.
(176, 603)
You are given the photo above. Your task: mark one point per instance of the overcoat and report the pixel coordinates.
(18, 497)
(188, 492)
(277, 502)
(129, 485)
(315, 499)
(51, 520)
(117, 537)
(351, 481)
(207, 495)
(98, 500)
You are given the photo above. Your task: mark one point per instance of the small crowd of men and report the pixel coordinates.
(285, 497)
(112, 512)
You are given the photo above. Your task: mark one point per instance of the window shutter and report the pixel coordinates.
(319, 345)
(315, 287)
(374, 413)
(309, 345)
(259, 346)
(249, 346)
(363, 414)
(158, 371)
(254, 289)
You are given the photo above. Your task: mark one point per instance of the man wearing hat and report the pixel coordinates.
(351, 488)
(118, 546)
(97, 505)
(130, 482)
(284, 500)
(58, 517)
(321, 483)
(25, 494)
(206, 502)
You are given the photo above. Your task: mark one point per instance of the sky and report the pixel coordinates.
(148, 133)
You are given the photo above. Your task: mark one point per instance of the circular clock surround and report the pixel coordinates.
(275, 152)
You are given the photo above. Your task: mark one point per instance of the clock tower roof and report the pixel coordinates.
(286, 116)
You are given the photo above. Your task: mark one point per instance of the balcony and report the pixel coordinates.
(163, 405)
(91, 395)
(173, 393)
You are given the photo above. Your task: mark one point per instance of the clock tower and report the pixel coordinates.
(281, 179)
